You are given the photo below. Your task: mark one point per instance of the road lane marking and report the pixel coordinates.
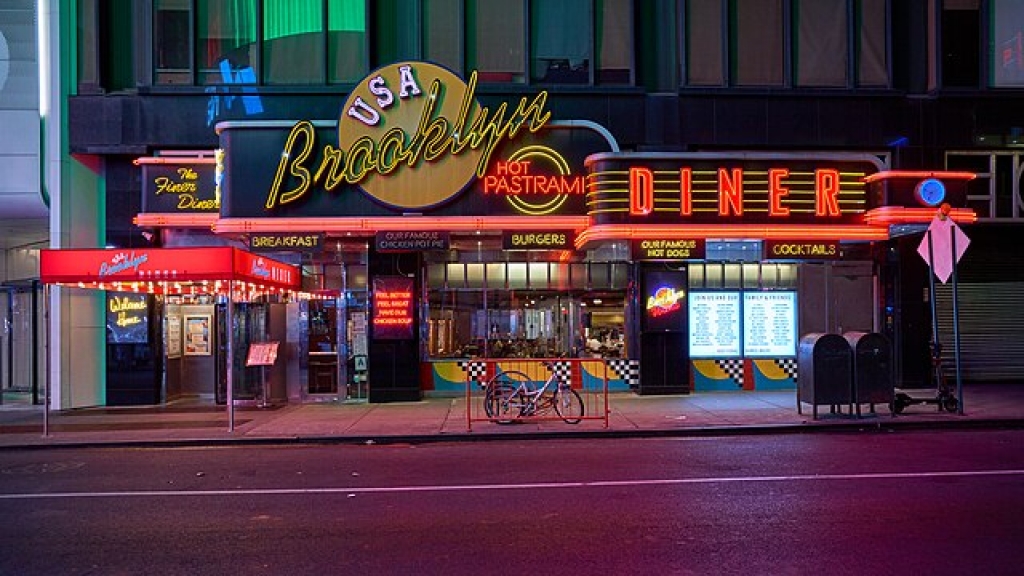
(524, 486)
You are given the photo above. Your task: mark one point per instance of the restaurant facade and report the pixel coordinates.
(443, 208)
(432, 230)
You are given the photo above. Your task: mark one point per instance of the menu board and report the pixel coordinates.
(769, 322)
(714, 324)
(262, 354)
(197, 335)
(173, 337)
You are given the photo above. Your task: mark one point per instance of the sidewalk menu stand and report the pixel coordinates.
(262, 354)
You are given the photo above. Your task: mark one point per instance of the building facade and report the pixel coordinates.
(726, 95)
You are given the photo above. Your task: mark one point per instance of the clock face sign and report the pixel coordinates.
(930, 192)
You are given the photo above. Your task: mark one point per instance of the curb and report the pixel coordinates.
(695, 432)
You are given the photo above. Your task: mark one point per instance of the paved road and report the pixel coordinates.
(869, 503)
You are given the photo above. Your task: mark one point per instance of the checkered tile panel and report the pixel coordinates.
(476, 370)
(788, 366)
(563, 370)
(733, 368)
(628, 370)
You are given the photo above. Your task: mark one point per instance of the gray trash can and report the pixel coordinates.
(872, 369)
(824, 372)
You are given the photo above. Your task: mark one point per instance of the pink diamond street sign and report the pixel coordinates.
(942, 231)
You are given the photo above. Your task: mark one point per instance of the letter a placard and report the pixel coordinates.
(940, 235)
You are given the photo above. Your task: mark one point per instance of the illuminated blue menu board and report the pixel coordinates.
(714, 324)
(769, 324)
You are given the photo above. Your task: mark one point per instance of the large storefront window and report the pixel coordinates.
(526, 309)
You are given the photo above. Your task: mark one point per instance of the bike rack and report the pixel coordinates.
(587, 376)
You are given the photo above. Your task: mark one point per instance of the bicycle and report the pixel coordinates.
(511, 395)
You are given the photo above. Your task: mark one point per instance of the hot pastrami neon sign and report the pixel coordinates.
(536, 180)
(406, 125)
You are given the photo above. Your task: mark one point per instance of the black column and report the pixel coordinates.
(664, 347)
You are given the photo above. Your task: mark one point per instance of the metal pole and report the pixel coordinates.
(956, 327)
(35, 342)
(46, 382)
(230, 361)
(935, 320)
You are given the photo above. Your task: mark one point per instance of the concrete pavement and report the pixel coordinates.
(191, 422)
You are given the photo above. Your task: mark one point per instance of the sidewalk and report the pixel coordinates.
(444, 419)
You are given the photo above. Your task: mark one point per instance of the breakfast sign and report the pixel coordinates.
(411, 138)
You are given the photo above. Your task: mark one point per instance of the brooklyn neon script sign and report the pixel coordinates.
(412, 135)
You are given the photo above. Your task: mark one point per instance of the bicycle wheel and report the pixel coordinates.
(569, 405)
(502, 401)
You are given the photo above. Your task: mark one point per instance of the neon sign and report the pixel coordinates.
(801, 250)
(682, 249)
(519, 179)
(392, 308)
(127, 318)
(129, 311)
(259, 269)
(388, 143)
(122, 261)
(729, 187)
(665, 300)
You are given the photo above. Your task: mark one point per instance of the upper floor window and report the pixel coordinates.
(784, 43)
(1006, 52)
(204, 42)
(253, 41)
(974, 43)
(540, 41)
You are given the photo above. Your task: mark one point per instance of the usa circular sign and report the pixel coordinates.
(415, 135)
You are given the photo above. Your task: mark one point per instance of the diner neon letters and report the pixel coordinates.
(435, 137)
(733, 189)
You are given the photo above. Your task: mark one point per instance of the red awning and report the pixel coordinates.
(167, 270)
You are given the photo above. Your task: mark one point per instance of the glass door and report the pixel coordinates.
(22, 343)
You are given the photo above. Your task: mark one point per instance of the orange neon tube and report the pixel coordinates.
(920, 174)
(779, 232)
(886, 215)
(173, 220)
(369, 225)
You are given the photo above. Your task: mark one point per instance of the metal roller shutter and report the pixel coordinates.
(991, 328)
